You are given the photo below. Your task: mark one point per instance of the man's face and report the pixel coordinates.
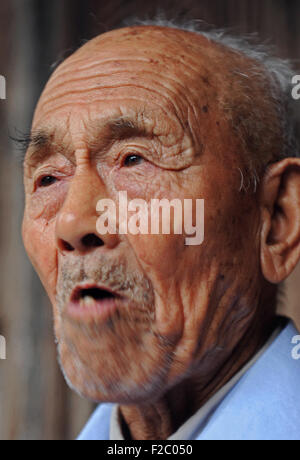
(137, 110)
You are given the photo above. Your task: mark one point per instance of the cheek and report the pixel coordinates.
(39, 242)
(158, 254)
(138, 182)
(46, 203)
(161, 258)
(39, 233)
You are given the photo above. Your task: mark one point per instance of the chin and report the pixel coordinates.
(117, 371)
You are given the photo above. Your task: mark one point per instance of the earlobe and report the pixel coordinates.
(280, 219)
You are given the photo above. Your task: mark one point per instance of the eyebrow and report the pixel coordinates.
(124, 128)
(35, 140)
(100, 136)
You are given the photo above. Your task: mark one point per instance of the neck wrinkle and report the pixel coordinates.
(160, 419)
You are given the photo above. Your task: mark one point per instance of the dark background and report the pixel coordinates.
(35, 403)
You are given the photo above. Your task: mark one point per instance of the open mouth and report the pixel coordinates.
(86, 296)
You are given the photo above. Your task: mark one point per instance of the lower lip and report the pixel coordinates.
(101, 309)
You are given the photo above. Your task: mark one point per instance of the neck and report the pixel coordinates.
(158, 420)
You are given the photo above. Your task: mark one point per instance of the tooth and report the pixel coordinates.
(88, 301)
(81, 303)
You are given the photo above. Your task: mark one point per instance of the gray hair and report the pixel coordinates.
(258, 132)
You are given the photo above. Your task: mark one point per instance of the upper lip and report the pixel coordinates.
(78, 291)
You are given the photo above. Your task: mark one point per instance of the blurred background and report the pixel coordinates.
(35, 402)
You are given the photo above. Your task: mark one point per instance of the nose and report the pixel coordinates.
(76, 221)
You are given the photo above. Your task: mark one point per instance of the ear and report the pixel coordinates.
(280, 214)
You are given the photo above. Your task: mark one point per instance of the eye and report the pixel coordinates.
(132, 160)
(46, 181)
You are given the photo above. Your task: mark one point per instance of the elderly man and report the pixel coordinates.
(177, 341)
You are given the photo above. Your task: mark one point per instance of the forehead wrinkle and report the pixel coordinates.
(80, 79)
(109, 87)
(177, 104)
(171, 106)
(191, 69)
(172, 82)
(191, 46)
(119, 101)
(69, 64)
(189, 61)
(173, 85)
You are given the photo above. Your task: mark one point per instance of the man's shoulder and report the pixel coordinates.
(98, 426)
(265, 402)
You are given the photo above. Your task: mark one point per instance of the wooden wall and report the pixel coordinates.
(35, 402)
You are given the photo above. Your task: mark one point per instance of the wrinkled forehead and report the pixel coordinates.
(169, 65)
